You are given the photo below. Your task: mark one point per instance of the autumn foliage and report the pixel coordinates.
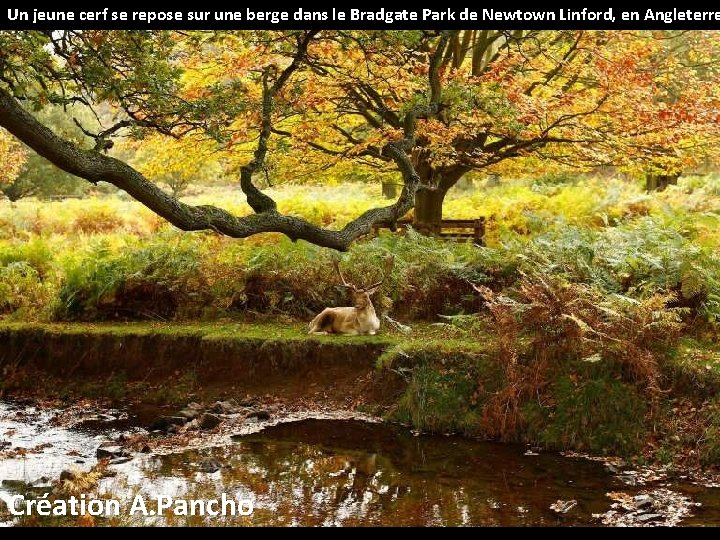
(293, 107)
(12, 157)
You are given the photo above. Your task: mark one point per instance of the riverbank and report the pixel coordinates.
(434, 380)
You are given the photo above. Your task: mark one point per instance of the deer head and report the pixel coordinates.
(362, 295)
(361, 319)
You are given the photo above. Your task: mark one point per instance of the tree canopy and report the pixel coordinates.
(426, 106)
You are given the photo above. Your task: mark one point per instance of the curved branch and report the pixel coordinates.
(259, 201)
(96, 167)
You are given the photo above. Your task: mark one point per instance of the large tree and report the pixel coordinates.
(430, 106)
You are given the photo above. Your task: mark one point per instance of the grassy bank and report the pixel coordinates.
(458, 383)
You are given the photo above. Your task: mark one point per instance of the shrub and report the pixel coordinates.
(551, 327)
(21, 288)
(97, 220)
(155, 281)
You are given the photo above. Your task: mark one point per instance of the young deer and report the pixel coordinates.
(361, 320)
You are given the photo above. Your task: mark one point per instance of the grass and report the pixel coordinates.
(206, 331)
(602, 415)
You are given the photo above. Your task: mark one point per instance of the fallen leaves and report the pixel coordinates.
(657, 508)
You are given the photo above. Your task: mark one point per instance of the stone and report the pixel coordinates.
(121, 460)
(563, 507)
(647, 518)
(15, 485)
(644, 502)
(111, 452)
(67, 476)
(628, 479)
(209, 421)
(42, 482)
(164, 423)
(190, 414)
(191, 411)
(260, 416)
(210, 466)
(248, 402)
(224, 407)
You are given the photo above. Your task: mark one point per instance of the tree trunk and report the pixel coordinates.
(429, 210)
(429, 200)
(660, 182)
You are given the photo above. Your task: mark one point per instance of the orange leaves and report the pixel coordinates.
(632, 99)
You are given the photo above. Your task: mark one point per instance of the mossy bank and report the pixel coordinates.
(431, 383)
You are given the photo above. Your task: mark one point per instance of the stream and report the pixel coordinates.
(324, 472)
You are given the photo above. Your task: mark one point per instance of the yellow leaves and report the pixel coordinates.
(161, 158)
(86, 521)
(12, 157)
(627, 98)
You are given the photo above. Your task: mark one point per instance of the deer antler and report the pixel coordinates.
(389, 265)
(336, 264)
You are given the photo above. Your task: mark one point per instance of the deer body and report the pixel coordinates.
(360, 320)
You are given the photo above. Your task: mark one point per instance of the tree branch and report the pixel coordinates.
(96, 167)
(436, 64)
(259, 201)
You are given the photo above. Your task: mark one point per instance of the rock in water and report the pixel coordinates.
(164, 423)
(647, 518)
(260, 416)
(121, 460)
(644, 502)
(67, 476)
(210, 466)
(224, 407)
(111, 452)
(192, 411)
(563, 507)
(209, 421)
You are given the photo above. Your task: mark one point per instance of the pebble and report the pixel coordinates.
(210, 466)
(643, 502)
(260, 416)
(164, 423)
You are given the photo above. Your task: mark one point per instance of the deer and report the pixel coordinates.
(360, 320)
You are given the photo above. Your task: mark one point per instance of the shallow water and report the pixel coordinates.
(38, 448)
(332, 472)
(320, 472)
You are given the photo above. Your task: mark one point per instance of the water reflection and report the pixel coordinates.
(352, 473)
